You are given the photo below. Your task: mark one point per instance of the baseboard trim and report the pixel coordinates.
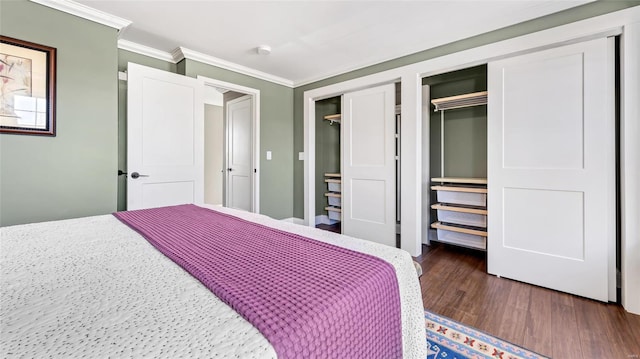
(294, 220)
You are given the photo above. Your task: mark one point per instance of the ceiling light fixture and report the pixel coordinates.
(263, 50)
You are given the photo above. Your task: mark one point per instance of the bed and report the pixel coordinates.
(94, 287)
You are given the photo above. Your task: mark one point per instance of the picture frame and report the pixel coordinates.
(27, 88)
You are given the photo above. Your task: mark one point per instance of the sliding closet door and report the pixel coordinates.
(368, 165)
(552, 169)
(165, 138)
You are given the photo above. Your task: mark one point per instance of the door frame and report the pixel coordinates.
(255, 135)
(624, 22)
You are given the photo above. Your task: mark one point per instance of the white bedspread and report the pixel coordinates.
(92, 287)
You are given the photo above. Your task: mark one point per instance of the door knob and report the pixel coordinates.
(229, 169)
(135, 175)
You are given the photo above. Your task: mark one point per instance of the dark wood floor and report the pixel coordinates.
(330, 227)
(455, 284)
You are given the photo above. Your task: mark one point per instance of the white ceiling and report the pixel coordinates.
(311, 40)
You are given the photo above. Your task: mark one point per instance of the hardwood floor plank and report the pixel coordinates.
(538, 331)
(565, 335)
(559, 325)
(633, 322)
(617, 331)
(596, 342)
(516, 305)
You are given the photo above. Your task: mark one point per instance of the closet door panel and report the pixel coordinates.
(368, 168)
(551, 158)
(547, 110)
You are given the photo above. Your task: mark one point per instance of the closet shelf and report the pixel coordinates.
(478, 244)
(448, 207)
(459, 180)
(475, 232)
(333, 180)
(332, 175)
(459, 189)
(460, 101)
(333, 194)
(333, 118)
(333, 209)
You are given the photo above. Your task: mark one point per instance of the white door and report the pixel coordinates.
(551, 160)
(165, 145)
(239, 149)
(368, 165)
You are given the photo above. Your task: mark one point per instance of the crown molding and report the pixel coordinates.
(177, 55)
(146, 50)
(86, 12)
(183, 53)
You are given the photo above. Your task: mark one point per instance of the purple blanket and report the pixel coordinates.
(308, 298)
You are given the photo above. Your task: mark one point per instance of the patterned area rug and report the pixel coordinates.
(452, 340)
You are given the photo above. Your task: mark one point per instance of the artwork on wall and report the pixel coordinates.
(27, 87)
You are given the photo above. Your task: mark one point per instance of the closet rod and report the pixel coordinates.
(451, 102)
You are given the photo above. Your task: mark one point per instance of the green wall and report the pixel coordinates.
(465, 131)
(74, 173)
(327, 148)
(276, 135)
(124, 57)
(546, 22)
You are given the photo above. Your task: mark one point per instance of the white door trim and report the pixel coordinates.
(624, 21)
(255, 131)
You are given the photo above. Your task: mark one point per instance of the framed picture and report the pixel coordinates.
(27, 88)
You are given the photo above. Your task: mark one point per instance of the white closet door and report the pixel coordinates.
(551, 160)
(165, 138)
(368, 165)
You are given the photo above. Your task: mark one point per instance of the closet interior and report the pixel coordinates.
(457, 185)
(328, 179)
(328, 182)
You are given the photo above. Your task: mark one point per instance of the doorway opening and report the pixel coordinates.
(231, 142)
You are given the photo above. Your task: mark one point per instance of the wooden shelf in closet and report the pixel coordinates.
(460, 101)
(459, 180)
(333, 118)
(461, 211)
(334, 195)
(475, 232)
(468, 209)
(460, 189)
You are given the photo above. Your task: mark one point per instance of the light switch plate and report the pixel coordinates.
(300, 156)
(268, 155)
